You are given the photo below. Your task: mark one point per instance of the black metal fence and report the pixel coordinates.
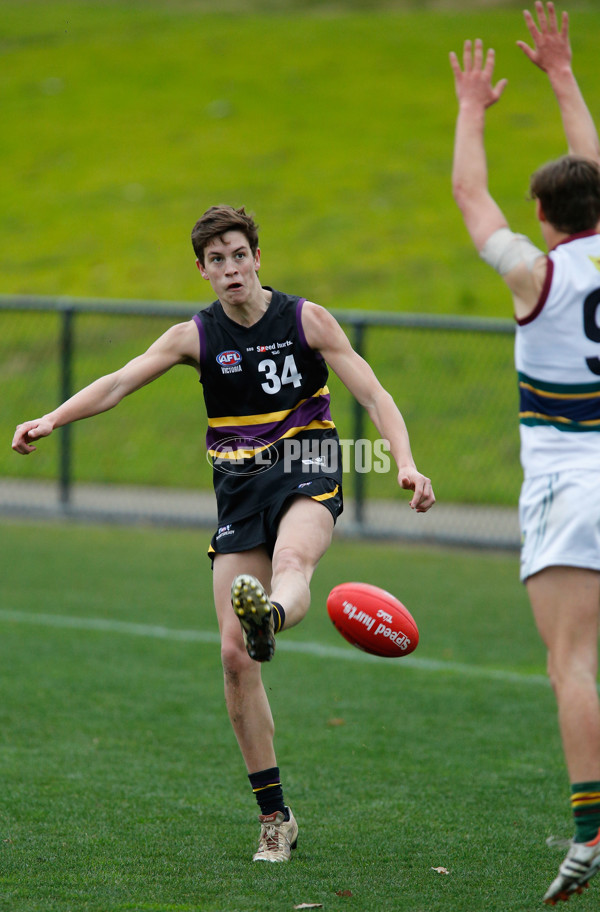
(452, 377)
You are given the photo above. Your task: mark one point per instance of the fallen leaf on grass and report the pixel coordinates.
(343, 892)
(441, 870)
(335, 722)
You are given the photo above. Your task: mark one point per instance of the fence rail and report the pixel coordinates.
(495, 524)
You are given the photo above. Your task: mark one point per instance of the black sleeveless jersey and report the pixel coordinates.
(267, 402)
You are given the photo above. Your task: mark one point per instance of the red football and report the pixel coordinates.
(372, 619)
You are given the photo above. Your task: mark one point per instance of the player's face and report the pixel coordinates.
(231, 268)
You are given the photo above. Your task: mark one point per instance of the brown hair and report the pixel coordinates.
(569, 193)
(219, 219)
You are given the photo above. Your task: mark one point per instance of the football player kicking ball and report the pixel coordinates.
(557, 355)
(262, 359)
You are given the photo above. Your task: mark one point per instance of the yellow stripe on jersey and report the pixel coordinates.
(551, 395)
(559, 419)
(247, 453)
(268, 418)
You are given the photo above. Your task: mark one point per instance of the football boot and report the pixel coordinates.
(578, 868)
(255, 612)
(278, 837)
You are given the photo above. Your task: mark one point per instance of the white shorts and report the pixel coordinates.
(560, 521)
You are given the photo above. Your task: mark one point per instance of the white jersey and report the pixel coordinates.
(557, 356)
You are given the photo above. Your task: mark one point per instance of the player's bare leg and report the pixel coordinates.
(565, 603)
(247, 702)
(245, 696)
(304, 535)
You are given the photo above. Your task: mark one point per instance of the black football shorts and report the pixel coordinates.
(261, 528)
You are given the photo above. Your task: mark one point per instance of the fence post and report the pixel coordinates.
(360, 479)
(65, 438)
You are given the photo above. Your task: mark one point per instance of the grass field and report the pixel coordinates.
(122, 784)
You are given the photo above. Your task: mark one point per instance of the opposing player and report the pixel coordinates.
(262, 358)
(557, 354)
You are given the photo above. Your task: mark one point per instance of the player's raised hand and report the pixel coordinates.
(411, 480)
(474, 81)
(28, 431)
(551, 48)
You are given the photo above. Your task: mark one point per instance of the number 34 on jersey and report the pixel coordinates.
(273, 380)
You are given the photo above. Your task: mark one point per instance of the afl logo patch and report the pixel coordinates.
(229, 358)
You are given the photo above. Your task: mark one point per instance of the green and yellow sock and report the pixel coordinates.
(585, 804)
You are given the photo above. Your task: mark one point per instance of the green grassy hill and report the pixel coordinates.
(333, 123)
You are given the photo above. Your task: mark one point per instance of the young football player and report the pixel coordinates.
(262, 358)
(556, 300)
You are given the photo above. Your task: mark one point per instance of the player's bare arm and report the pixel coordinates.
(475, 93)
(519, 263)
(178, 345)
(324, 334)
(551, 52)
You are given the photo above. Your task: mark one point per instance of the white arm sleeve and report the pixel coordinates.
(504, 250)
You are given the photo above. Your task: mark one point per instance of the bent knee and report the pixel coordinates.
(288, 558)
(234, 658)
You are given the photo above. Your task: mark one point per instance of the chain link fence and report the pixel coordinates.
(452, 378)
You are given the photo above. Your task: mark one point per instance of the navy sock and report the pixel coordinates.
(266, 785)
(278, 616)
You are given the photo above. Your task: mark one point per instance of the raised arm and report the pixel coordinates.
(551, 52)
(513, 256)
(178, 345)
(475, 93)
(324, 334)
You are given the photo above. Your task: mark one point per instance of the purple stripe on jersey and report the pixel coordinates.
(314, 409)
(299, 325)
(301, 333)
(202, 339)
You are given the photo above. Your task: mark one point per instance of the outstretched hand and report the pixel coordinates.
(28, 431)
(474, 81)
(551, 48)
(412, 480)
